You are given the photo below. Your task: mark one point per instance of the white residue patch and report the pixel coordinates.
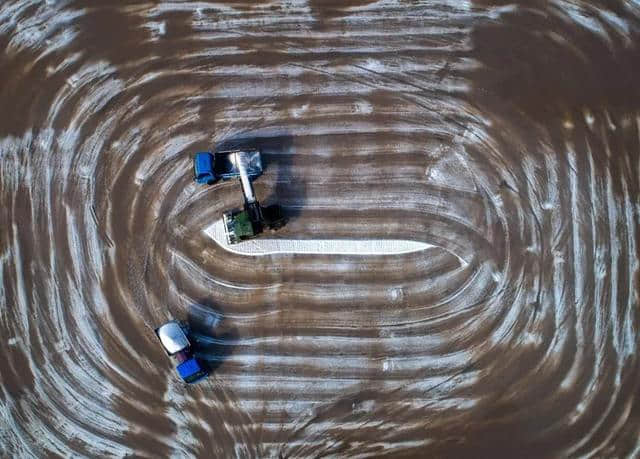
(157, 29)
(451, 170)
(373, 65)
(266, 246)
(589, 118)
(396, 294)
(44, 25)
(363, 107)
(299, 111)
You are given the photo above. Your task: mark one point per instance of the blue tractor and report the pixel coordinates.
(176, 344)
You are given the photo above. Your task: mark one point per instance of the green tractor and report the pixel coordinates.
(246, 224)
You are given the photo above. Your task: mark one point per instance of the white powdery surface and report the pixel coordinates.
(266, 246)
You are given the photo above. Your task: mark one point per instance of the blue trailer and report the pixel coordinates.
(203, 171)
(176, 344)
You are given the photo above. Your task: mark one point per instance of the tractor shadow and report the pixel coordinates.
(277, 153)
(212, 337)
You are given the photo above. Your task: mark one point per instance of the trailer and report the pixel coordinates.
(208, 167)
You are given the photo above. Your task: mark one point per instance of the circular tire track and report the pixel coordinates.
(443, 123)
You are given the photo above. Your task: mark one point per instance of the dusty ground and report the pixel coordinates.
(505, 136)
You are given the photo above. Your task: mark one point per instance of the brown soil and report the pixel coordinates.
(505, 134)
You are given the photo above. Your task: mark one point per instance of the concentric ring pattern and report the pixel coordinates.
(506, 136)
